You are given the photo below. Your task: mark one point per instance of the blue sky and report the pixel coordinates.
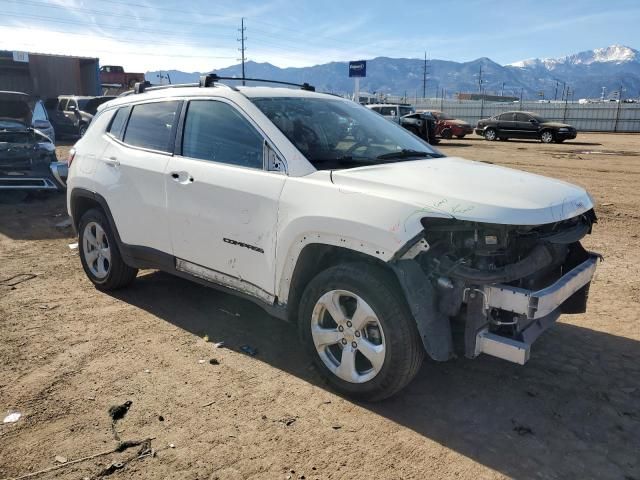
(202, 35)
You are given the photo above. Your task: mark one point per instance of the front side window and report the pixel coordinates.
(335, 134)
(217, 132)
(151, 124)
(63, 104)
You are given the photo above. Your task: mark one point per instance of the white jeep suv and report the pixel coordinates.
(377, 246)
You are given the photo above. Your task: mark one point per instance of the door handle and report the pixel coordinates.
(113, 161)
(182, 177)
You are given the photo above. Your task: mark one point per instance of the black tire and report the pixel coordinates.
(491, 134)
(460, 136)
(404, 352)
(547, 136)
(82, 129)
(119, 273)
(446, 134)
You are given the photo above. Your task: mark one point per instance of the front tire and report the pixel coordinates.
(490, 134)
(355, 323)
(82, 130)
(546, 136)
(99, 254)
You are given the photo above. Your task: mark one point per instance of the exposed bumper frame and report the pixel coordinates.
(538, 304)
(542, 306)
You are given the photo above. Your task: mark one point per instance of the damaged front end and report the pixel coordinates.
(491, 288)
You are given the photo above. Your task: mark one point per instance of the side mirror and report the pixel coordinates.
(41, 124)
(271, 159)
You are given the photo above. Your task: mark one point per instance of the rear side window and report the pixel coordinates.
(150, 125)
(218, 132)
(117, 124)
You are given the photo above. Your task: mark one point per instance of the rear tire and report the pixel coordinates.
(460, 136)
(446, 134)
(373, 321)
(82, 130)
(99, 254)
(490, 134)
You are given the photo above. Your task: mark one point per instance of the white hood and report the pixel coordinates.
(472, 191)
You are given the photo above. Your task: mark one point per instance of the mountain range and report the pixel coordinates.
(584, 74)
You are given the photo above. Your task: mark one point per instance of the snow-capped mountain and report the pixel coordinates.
(613, 54)
(584, 73)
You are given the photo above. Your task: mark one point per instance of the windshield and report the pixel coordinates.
(336, 134)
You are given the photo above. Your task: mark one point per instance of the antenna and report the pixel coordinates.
(242, 48)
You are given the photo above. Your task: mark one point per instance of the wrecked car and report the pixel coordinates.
(376, 245)
(422, 124)
(27, 156)
(448, 127)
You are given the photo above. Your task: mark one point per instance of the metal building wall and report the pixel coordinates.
(48, 76)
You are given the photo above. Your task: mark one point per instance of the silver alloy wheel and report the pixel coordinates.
(490, 134)
(348, 336)
(96, 250)
(547, 137)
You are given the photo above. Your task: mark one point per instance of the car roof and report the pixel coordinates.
(218, 90)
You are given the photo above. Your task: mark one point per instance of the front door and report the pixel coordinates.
(527, 125)
(222, 202)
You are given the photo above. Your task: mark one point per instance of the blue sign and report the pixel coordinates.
(358, 68)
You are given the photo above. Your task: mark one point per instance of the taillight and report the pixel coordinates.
(72, 155)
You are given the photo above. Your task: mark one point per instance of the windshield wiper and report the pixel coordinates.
(406, 153)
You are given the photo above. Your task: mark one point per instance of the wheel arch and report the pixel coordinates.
(82, 200)
(317, 257)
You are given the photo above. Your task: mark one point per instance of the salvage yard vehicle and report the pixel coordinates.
(524, 125)
(422, 124)
(27, 155)
(115, 76)
(392, 111)
(71, 115)
(448, 127)
(377, 246)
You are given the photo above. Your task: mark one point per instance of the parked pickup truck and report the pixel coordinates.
(115, 76)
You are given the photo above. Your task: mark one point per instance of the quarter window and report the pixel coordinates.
(151, 124)
(218, 132)
(117, 124)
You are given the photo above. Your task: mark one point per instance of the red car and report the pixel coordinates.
(449, 127)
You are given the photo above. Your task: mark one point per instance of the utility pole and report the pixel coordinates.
(480, 80)
(615, 127)
(424, 77)
(242, 47)
(502, 90)
(555, 95)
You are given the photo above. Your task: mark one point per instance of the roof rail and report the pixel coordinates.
(211, 78)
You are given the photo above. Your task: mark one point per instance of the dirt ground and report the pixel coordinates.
(69, 352)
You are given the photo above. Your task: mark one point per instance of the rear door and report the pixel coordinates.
(507, 124)
(222, 201)
(72, 116)
(133, 167)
